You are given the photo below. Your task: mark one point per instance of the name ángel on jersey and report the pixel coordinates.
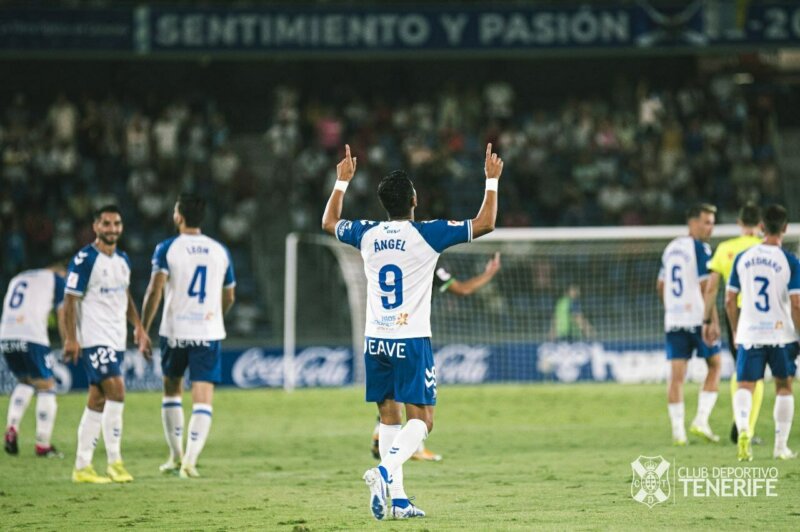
(101, 281)
(683, 268)
(765, 276)
(399, 262)
(30, 298)
(197, 268)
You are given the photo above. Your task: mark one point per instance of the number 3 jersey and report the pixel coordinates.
(399, 262)
(197, 269)
(30, 297)
(684, 265)
(101, 281)
(765, 276)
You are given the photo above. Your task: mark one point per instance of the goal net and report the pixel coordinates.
(567, 304)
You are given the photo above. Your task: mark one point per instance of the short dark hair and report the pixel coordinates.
(192, 208)
(750, 214)
(396, 192)
(104, 209)
(775, 218)
(697, 209)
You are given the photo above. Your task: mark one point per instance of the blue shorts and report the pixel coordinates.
(27, 360)
(402, 370)
(750, 363)
(682, 343)
(201, 356)
(102, 362)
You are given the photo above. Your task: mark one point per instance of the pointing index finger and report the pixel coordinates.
(488, 150)
(347, 152)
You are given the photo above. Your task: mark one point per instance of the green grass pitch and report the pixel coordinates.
(516, 457)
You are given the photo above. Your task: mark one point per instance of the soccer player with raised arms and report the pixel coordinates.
(24, 341)
(97, 305)
(681, 283)
(195, 273)
(768, 278)
(399, 260)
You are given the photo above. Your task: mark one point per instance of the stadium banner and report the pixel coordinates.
(327, 366)
(158, 30)
(66, 30)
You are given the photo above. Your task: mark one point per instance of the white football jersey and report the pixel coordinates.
(101, 281)
(197, 268)
(765, 276)
(684, 265)
(30, 298)
(399, 262)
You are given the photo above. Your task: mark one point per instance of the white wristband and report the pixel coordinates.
(491, 184)
(341, 185)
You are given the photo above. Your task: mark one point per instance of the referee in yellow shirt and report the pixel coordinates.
(721, 265)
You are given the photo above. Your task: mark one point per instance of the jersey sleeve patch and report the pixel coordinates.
(79, 271)
(159, 260)
(351, 232)
(442, 234)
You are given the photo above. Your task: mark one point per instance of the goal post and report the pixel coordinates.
(567, 304)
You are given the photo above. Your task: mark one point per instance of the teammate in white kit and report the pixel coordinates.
(399, 260)
(25, 344)
(97, 306)
(195, 273)
(681, 284)
(768, 277)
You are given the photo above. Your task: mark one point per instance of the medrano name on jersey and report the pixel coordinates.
(399, 261)
(102, 282)
(197, 269)
(765, 276)
(30, 298)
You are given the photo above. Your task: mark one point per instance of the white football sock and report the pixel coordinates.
(676, 417)
(404, 445)
(783, 414)
(199, 426)
(112, 430)
(172, 420)
(46, 409)
(705, 404)
(388, 433)
(88, 432)
(742, 404)
(18, 403)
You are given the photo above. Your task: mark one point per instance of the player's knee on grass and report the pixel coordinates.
(202, 392)
(173, 386)
(43, 385)
(114, 389)
(783, 386)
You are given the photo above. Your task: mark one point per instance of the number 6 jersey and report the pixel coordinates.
(765, 276)
(197, 269)
(684, 265)
(399, 260)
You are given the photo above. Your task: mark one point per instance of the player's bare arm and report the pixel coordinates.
(152, 299)
(660, 290)
(71, 347)
(484, 222)
(732, 309)
(228, 298)
(795, 302)
(711, 329)
(62, 324)
(345, 171)
(140, 336)
(465, 288)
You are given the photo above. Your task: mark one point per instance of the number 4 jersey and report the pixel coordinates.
(399, 261)
(197, 269)
(684, 265)
(765, 276)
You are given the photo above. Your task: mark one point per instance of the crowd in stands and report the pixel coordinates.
(640, 156)
(60, 162)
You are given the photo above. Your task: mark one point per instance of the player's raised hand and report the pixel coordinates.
(347, 166)
(71, 351)
(493, 265)
(493, 166)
